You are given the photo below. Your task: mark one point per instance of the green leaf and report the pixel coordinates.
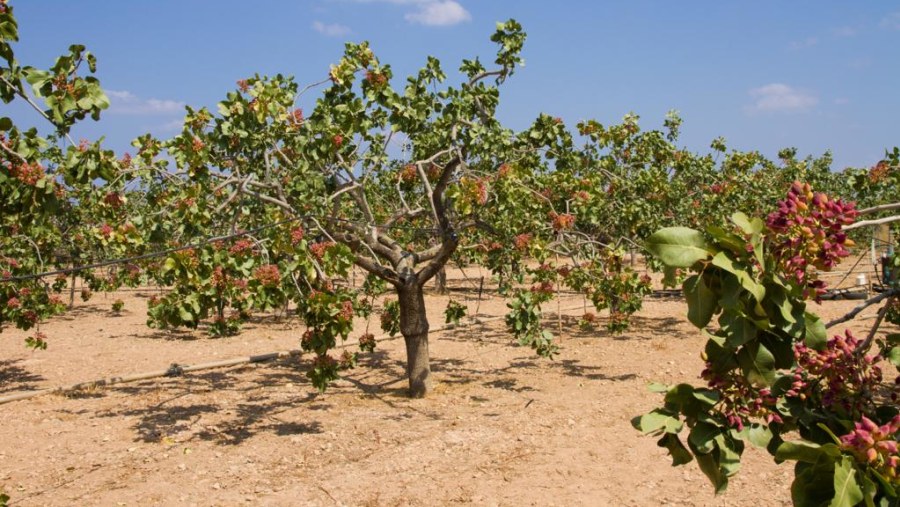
(738, 329)
(754, 226)
(779, 299)
(185, 315)
(813, 484)
(757, 364)
(729, 454)
(707, 396)
(807, 452)
(657, 420)
(847, 492)
(709, 465)
(702, 302)
(759, 435)
(680, 454)
(722, 260)
(894, 356)
(727, 239)
(703, 437)
(816, 335)
(678, 247)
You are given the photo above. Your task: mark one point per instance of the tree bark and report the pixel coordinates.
(414, 328)
(440, 281)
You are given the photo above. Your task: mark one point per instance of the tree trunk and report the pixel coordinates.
(440, 281)
(414, 328)
(72, 291)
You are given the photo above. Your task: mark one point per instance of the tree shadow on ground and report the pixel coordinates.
(574, 368)
(486, 332)
(250, 405)
(176, 334)
(461, 371)
(14, 377)
(649, 328)
(85, 310)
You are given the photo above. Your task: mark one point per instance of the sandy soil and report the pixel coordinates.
(502, 426)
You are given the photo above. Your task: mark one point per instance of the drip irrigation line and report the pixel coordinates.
(849, 271)
(177, 370)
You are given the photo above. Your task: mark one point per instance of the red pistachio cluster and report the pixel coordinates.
(319, 249)
(268, 275)
(490, 246)
(376, 79)
(29, 174)
(219, 278)
(297, 116)
(879, 171)
(348, 360)
(876, 446)
(387, 320)
(106, 230)
(562, 221)
(185, 204)
(296, 235)
(475, 190)
(408, 173)
(307, 339)
(838, 374)
(367, 342)
(544, 288)
(806, 233)
(241, 246)
(114, 199)
(346, 312)
(741, 401)
(325, 362)
(522, 241)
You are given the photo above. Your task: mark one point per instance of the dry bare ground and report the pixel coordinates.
(502, 426)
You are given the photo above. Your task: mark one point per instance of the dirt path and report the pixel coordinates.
(502, 426)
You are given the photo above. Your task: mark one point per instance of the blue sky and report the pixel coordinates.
(816, 75)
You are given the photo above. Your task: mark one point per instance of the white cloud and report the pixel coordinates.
(805, 43)
(331, 30)
(171, 126)
(891, 21)
(778, 97)
(125, 102)
(841, 101)
(439, 13)
(431, 12)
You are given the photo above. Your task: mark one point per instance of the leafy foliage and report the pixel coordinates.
(769, 368)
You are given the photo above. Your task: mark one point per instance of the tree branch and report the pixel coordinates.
(862, 306)
(879, 208)
(878, 221)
